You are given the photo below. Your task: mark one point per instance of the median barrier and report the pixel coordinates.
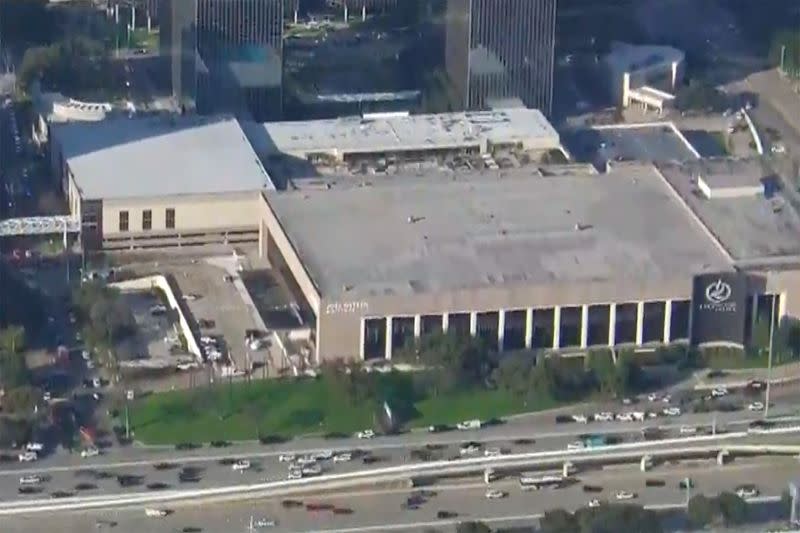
(633, 451)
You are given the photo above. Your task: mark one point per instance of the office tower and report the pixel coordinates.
(225, 55)
(501, 49)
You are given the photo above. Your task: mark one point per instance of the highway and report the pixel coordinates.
(380, 509)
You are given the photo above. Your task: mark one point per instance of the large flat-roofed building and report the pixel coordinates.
(159, 181)
(296, 152)
(522, 259)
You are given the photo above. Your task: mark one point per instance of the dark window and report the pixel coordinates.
(123, 221)
(147, 219)
(170, 218)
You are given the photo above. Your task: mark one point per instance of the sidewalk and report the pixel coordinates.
(772, 86)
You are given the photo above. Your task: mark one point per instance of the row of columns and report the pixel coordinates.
(666, 335)
(584, 332)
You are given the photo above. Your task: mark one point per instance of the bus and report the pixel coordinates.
(535, 481)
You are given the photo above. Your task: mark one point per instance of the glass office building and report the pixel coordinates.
(225, 55)
(300, 59)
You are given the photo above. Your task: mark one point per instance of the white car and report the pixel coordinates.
(30, 480)
(671, 411)
(90, 452)
(469, 450)
(90, 364)
(286, 457)
(667, 398)
(492, 452)
(306, 460)
(639, 416)
(625, 417)
(652, 397)
(594, 503)
(719, 392)
(581, 419)
(311, 470)
(747, 491)
(688, 430)
(47, 396)
(155, 513)
(577, 445)
(469, 424)
(605, 416)
(295, 474)
(625, 495)
(494, 494)
(28, 457)
(366, 434)
(342, 457)
(264, 522)
(34, 446)
(755, 406)
(778, 149)
(241, 465)
(323, 455)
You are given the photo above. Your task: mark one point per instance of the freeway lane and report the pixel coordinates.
(380, 509)
(95, 477)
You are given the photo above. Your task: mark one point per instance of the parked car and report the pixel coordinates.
(747, 491)
(28, 457)
(469, 424)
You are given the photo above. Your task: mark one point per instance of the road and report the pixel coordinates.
(212, 467)
(379, 509)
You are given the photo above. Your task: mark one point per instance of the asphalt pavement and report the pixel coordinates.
(381, 509)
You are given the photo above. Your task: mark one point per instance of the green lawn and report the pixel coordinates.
(297, 407)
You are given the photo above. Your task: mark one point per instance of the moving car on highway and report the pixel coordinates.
(366, 434)
(625, 495)
(469, 424)
(30, 480)
(28, 457)
(156, 513)
(495, 494)
(241, 465)
(594, 503)
(755, 406)
(747, 491)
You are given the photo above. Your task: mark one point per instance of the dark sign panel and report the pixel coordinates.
(718, 308)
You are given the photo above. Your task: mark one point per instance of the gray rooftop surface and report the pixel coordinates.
(484, 231)
(726, 172)
(414, 132)
(750, 228)
(646, 143)
(160, 156)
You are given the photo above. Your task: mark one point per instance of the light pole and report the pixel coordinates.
(769, 356)
(783, 58)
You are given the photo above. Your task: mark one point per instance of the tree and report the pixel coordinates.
(14, 371)
(700, 96)
(105, 318)
(513, 374)
(453, 360)
(785, 51)
(472, 527)
(12, 339)
(734, 510)
(558, 521)
(13, 431)
(701, 510)
(21, 400)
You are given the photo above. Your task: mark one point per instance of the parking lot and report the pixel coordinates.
(646, 143)
(212, 292)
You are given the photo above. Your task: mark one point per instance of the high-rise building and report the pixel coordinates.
(225, 55)
(501, 50)
(416, 55)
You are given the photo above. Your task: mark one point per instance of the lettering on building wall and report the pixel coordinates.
(345, 307)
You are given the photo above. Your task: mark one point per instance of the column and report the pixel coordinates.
(363, 13)
(501, 328)
(361, 335)
(781, 305)
(584, 326)
(667, 321)
(417, 326)
(445, 322)
(639, 322)
(612, 324)
(473, 323)
(388, 338)
(528, 328)
(556, 327)
(754, 317)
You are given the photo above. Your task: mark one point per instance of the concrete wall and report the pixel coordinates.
(192, 213)
(339, 323)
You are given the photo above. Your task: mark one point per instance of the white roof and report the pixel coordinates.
(412, 132)
(160, 156)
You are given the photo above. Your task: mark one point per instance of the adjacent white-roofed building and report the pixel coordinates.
(397, 134)
(155, 181)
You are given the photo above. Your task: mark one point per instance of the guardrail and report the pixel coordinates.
(475, 464)
(753, 132)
